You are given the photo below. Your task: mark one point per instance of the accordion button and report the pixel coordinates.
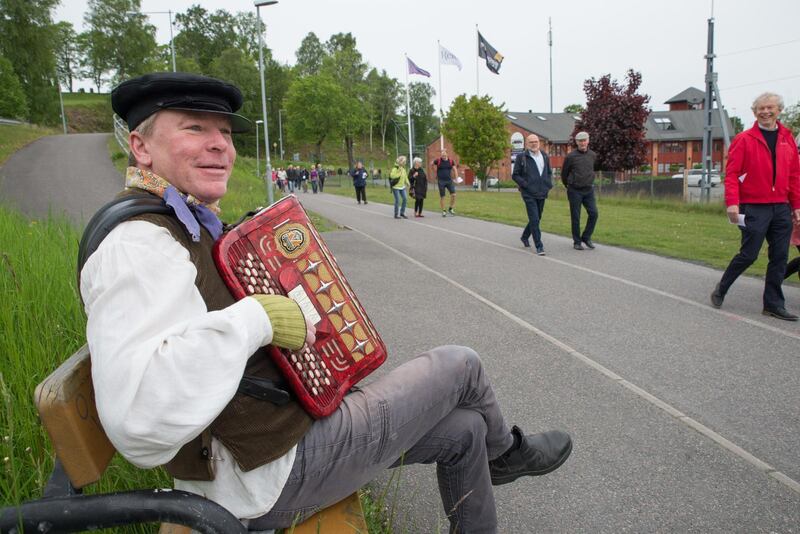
(294, 358)
(241, 262)
(250, 256)
(312, 364)
(261, 265)
(316, 382)
(247, 271)
(317, 373)
(299, 366)
(250, 289)
(265, 290)
(327, 372)
(249, 263)
(327, 382)
(314, 391)
(322, 363)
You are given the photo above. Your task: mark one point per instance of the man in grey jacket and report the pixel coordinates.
(578, 177)
(534, 177)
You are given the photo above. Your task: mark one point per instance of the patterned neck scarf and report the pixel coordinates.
(190, 211)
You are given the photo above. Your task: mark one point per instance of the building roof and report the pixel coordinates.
(660, 125)
(683, 125)
(555, 127)
(693, 95)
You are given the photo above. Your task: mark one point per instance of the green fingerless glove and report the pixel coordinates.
(288, 322)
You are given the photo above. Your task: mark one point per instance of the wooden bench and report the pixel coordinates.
(65, 401)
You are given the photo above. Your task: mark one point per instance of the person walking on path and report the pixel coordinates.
(304, 179)
(534, 177)
(419, 186)
(398, 179)
(314, 179)
(762, 195)
(322, 175)
(793, 267)
(359, 175)
(577, 175)
(445, 167)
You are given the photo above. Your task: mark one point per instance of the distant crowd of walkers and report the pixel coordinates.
(296, 177)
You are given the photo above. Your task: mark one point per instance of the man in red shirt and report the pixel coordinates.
(762, 193)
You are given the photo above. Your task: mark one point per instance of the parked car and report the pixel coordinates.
(491, 181)
(695, 175)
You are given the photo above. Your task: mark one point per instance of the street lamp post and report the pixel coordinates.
(258, 158)
(171, 40)
(280, 131)
(259, 4)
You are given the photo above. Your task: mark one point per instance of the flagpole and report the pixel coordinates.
(408, 114)
(477, 65)
(441, 134)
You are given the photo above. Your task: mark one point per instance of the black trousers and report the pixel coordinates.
(585, 198)
(772, 222)
(535, 208)
(361, 193)
(418, 202)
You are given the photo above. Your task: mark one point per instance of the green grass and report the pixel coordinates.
(86, 99)
(695, 232)
(15, 136)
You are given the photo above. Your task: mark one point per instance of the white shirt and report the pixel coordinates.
(164, 367)
(539, 159)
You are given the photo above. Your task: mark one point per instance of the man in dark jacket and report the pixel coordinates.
(534, 178)
(578, 177)
(359, 175)
(762, 192)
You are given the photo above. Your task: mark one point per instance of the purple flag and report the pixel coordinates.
(413, 69)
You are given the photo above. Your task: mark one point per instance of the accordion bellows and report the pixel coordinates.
(278, 251)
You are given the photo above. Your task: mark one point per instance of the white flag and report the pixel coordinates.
(446, 57)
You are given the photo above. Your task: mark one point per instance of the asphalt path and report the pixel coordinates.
(685, 418)
(68, 175)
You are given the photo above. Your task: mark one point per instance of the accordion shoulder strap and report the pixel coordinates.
(109, 216)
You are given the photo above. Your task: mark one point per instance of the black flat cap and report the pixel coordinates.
(136, 99)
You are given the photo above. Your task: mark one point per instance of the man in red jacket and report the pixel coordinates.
(762, 192)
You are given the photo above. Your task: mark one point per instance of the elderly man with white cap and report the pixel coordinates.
(577, 174)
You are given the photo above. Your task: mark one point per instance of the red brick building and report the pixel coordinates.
(674, 137)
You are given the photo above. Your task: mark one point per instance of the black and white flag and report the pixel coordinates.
(488, 52)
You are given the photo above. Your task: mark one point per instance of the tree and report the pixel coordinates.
(235, 66)
(92, 64)
(738, 125)
(203, 36)
(345, 65)
(790, 117)
(122, 41)
(13, 104)
(384, 97)
(309, 55)
(615, 119)
(422, 112)
(477, 129)
(66, 46)
(574, 108)
(314, 109)
(27, 43)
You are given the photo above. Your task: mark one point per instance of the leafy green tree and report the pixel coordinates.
(13, 104)
(28, 44)
(314, 110)
(345, 65)
(309, 55)
(66, 53)
(790, 117)
(383, 95)
(738, 125)
(234, 66)
(477, 129)
(203, 36)
(422, 112)
(91, 61)
(122, 40)
(574, 108)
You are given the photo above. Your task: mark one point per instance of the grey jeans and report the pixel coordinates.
(439, 407)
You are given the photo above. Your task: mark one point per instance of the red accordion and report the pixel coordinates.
(278, 251)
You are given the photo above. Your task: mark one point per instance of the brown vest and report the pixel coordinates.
(255, 431)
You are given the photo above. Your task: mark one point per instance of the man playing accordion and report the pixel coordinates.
(170, 347)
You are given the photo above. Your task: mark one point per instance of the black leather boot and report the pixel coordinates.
(537, 454)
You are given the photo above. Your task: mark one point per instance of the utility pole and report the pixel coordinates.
(550, 44)
(712, 95)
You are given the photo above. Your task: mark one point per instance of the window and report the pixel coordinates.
(557, 150)
(512, 117)
(663, 123)
(669, 147)
(541, 118)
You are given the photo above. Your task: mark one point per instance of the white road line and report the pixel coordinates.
(636, 390)
(672, 296)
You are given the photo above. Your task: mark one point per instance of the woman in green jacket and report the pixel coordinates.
(398, 179)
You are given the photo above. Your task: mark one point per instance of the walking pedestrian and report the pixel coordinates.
(762, 187)
(577, 174)
(359, 175)
(291, 178)
(419, 186)
(304, 179)
(314, 179)
(398, 179)
(322, 175)
(445, 167)
(534, 177)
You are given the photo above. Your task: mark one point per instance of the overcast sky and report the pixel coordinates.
(758, 43)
